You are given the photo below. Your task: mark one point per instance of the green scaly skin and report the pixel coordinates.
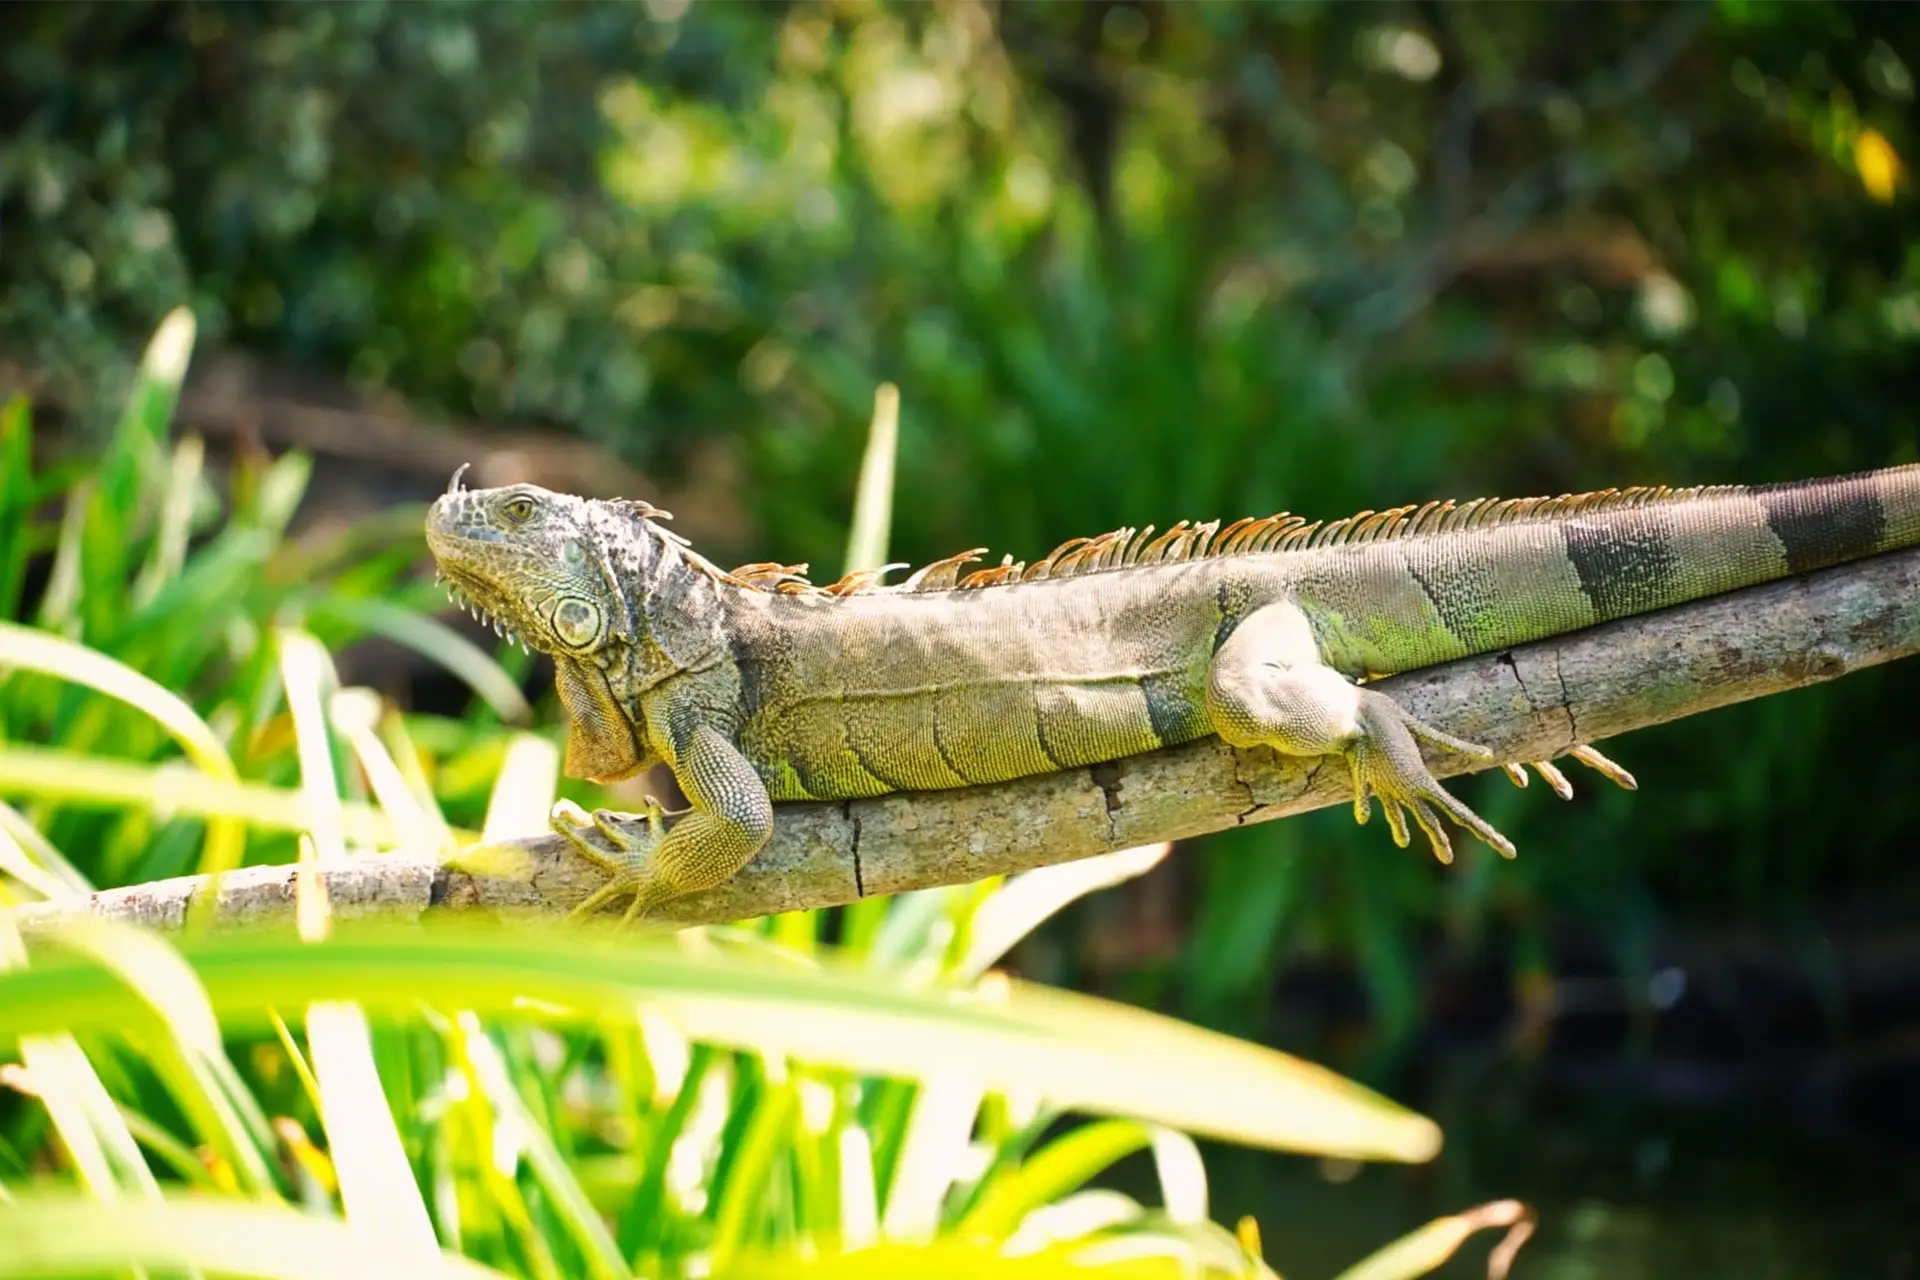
(756, 686)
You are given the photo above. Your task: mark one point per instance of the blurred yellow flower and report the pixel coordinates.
(1878, 163)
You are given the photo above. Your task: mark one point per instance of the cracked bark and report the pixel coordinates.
(1615, 678)
(853, 850)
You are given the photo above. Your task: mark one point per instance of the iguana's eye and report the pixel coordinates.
(519, 510)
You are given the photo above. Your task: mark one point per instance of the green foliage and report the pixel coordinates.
(154, 585)
(532, 1101)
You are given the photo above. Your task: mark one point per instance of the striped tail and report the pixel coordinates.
(1691, 545)
(1484, 576)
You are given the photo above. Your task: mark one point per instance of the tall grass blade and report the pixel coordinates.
(1075, 1051)
(55, 1234)
(1062, 1166)
(356, 715)
(41, 850)
(17, 500)
(187, 1053)
(1426, 1250)
(523, 794)
(768, 1130)
(24, 647)
(550, 1169)
(16, 863)
(377, 1185)
(873, 499)
(118, 507)
(169, 550)
(939, 1130)
(60, 602)
(104, 1154)
(78, 778)
(434, 640)
(1027, 900)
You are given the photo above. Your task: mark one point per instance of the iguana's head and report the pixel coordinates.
(535, 563)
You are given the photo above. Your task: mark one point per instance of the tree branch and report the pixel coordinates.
(1531, 703)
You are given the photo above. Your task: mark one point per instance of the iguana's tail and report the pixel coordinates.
(1506, 573)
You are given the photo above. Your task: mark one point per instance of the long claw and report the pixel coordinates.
(1555, 779)
(1436, 834)
(1397, 822)
(1604, 767)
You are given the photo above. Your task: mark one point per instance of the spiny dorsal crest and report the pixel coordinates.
(1185, 541)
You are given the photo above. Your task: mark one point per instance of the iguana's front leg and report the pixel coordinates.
(730, 820)
(1268, 687)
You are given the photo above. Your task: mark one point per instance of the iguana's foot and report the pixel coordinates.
(630, 860)
(1268, 687)
(1386, 762)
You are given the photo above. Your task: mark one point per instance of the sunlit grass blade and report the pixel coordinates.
(169, 550)
(171, 788)
(952, 1260)
(97, 1141)
(1062, 1166)
(873, 499)
(377, 1186)
(17, 500)
(1025, 901)
(1075, 1051)
(1085, 1215)
(768, 1130)
(1183, 1176)
(1427, 1249)
(436, 641)
(52, 1234)
(355, 716)
(189, 1057)
(119, 508)
(523, 794)
(306, 675)
(41, 850)
(24, 647)
(60, 601)
(269, 503)
(858, 1198)
(22, 867)
(932, 1152)
(569, 1201)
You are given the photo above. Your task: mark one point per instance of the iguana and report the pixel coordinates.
(755, 685)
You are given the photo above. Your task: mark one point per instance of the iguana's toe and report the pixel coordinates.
(606, 839)
(1558, 781)
(1386, 762)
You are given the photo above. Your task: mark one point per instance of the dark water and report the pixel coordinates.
(1735, 1195)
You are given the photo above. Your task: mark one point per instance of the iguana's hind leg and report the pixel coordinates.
(731, 818)
(1268, 687)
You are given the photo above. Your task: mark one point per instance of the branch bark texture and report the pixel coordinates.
(1533, 702)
